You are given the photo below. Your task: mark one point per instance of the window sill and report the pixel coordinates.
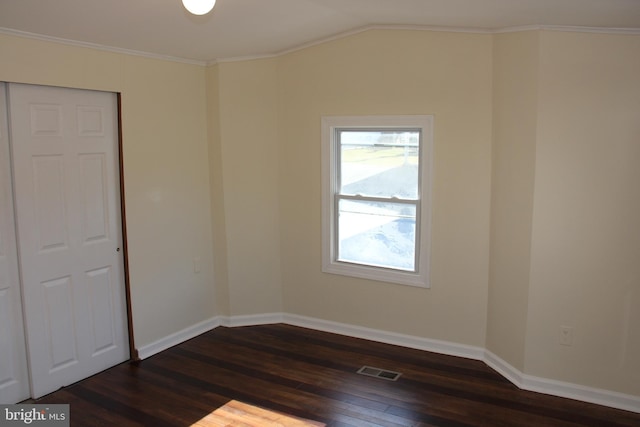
(377, 273)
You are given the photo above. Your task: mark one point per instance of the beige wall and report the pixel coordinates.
(250, 162)
(565, 233)
(392, 72)
(218, 223)
(536, 207)
(166, 171)
(515, 93)
(586, 219)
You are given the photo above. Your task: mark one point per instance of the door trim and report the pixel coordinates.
(133, 351)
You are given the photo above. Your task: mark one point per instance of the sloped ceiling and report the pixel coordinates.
(240, 28)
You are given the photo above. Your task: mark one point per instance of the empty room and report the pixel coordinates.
(320, 212)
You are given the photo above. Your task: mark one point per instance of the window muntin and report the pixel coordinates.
(377, 194)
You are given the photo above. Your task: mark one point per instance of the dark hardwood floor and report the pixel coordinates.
(311, 374)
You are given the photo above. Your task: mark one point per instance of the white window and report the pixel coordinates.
(376, 197)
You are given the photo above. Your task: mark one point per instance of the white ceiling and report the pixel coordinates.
(240, 28)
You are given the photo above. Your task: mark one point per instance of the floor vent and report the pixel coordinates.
(379, 373)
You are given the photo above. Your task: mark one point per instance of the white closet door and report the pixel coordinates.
(65, 158)
(14, 377)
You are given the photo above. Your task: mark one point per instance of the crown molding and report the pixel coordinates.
(569, 29)
(373, 27)
(471, 30)
(112, 49)
(349, 33)
(243, 58)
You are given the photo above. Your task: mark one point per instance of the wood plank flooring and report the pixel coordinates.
(238, 413)
(312, 375)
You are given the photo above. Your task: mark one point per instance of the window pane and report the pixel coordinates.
(378, 234)
(379, 163)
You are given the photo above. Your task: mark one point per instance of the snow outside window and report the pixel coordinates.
(376, 197)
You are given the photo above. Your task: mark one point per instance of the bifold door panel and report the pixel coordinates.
(67, 203)
(14, 377)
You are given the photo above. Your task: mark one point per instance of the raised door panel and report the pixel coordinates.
(60, 311)
(49, 202)
(94, 202)
(100, 285)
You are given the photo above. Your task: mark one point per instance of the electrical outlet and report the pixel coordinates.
(196, 265)
(566, 335)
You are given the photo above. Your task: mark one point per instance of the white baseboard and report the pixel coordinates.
(562, 389)
(436, 346)
(583, 393)
(178, 337)
(186, 334)
(519, 379)
(503, 368)
(252, 320)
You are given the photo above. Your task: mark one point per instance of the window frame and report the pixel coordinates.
(330, 182)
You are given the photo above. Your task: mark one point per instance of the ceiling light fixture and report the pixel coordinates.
(199, 7)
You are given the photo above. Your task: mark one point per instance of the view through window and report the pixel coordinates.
(376, 197)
